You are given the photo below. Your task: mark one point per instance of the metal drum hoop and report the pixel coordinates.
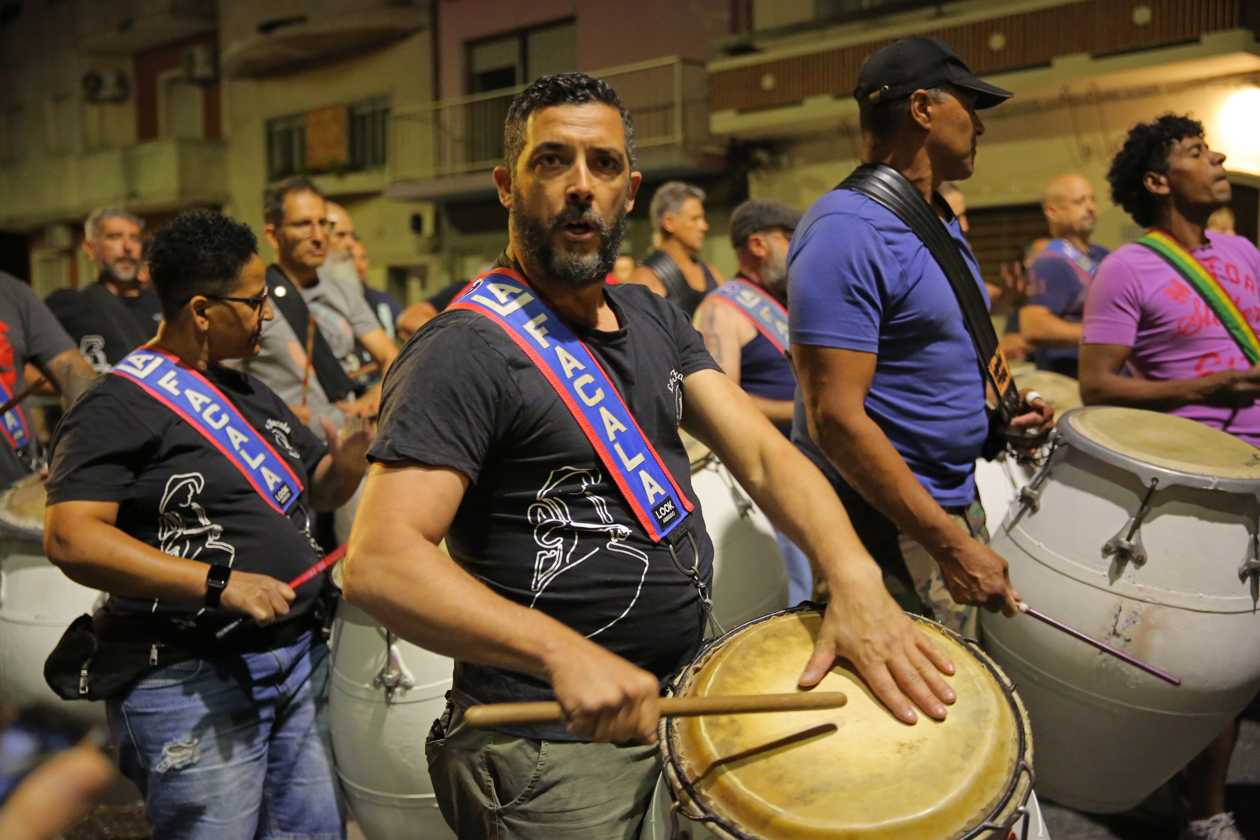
(677, 777)
(11, 530)
(1065, 432)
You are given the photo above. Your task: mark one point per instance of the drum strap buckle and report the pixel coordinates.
(1126, 546)
(1250, 568)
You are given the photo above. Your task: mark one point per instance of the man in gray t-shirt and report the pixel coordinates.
(30, 333)
(296, 226)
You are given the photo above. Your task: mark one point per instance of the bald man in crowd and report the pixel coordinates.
(1051, 321)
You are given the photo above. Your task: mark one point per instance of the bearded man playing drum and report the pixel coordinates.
(1178, 308)
(892, 399)
(534, 425)
(180, 487)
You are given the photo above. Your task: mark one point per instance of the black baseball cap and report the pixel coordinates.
(911, 64)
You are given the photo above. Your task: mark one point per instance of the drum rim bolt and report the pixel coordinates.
(1250, 568)
(1126, 546)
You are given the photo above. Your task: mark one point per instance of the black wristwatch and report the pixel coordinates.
(216, 582)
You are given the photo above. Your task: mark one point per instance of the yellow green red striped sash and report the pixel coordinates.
(1202, 281)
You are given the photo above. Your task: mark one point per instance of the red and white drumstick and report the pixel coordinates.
(1105, 648)
(329, 560)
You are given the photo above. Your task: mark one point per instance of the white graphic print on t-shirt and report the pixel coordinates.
(559, 538)
(184, 529)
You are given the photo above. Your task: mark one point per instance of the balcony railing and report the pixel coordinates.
(667, 99)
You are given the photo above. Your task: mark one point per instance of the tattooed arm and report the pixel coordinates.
(71, 375)
(726, 332)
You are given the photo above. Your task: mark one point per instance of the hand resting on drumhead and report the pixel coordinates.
(862, 624)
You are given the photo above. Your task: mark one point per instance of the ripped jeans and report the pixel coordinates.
(234, 748)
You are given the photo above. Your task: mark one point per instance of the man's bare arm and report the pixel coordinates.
(397, 574)
(835, 383)
(1102, 384)
(863, 623)
(71, 374)
(413, 318)
(382, 348)
(1043, 329)
(725, 334)
(647, 277)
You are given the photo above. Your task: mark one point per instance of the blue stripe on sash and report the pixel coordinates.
(647, 485)
(13, 423)
(766, 313)
(190, 395)
(1083, 263)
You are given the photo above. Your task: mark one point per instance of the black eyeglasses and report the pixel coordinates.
(255, 303)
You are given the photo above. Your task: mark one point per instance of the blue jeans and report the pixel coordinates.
(800, 576)
(234, 748)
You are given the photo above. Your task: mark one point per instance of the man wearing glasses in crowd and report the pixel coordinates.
(306, 367)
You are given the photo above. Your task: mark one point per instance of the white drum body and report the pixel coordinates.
(749, 578)
(378, 733)
(998, 483)
(1108, 734)
(37, 603)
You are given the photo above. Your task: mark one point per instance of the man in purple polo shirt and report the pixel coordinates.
(1140, 312)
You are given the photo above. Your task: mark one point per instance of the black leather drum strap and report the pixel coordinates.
(664, 267)
(289, 301)
(889, 188)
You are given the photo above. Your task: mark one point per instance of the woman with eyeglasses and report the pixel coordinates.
(181, 487)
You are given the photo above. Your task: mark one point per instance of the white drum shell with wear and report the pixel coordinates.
(379, 732)
(1108, 734)
(37, 603)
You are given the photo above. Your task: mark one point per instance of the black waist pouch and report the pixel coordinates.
(92, 664)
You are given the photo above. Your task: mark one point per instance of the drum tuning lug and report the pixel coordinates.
(1030, 493)
(394, 675)
(1251, 568)
(1126, 545)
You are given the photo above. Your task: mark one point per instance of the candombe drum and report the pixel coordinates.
(999, 481)
(386, 694)
(749, 578)
(1139, 530)
(854, 772)
(37, 602)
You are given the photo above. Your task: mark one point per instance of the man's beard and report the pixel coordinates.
(576, 271)
(112, 271)
(775, 275)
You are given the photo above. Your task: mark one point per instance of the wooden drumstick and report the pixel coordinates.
(504, 714)
(10, 403)
(1103, 646)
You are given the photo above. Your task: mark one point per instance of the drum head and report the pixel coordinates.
(22, 506)
(1167, 441)
(854, 772)
(1062, 392)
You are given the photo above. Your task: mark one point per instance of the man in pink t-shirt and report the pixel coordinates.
(1139, 312)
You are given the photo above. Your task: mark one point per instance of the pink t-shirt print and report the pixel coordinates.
(1138, 300)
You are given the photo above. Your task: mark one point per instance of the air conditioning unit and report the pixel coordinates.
(201, 64)
(102, 86)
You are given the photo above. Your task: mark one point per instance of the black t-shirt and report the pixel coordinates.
(542, 522)
(106, 326)
(178, 493)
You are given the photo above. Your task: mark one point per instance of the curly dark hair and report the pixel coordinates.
(1146, 150)
(559, 89)
(200, 252)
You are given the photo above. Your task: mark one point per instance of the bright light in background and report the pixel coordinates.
(1238, 131)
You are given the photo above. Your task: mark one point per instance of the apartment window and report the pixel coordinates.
(507, 61)
(800, 14)
(286, 146)
(181, 114)
(365, 135)
(12, 133)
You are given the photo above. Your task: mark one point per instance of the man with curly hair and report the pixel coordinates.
(1142, 314)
